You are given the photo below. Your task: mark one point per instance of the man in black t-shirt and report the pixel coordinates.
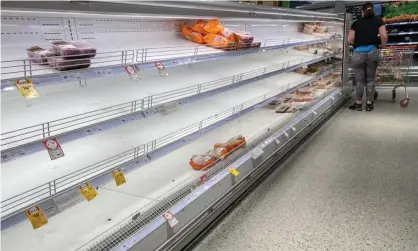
(364, 37)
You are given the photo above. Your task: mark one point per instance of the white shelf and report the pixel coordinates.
(78, 225)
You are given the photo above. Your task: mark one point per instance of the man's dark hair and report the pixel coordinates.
(368, 10)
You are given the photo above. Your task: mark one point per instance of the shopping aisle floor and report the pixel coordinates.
(352, 186)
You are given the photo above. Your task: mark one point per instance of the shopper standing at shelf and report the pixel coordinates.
(364, 37)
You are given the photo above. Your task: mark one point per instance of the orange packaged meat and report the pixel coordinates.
(191, 35)
(217, 41)
(198, 26)
(213, 26)
(229, 34)
(232, 143)
(203, 161)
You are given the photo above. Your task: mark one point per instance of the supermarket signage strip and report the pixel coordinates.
(62, 193)
(32, 138)
(205, 194)
(142, 64)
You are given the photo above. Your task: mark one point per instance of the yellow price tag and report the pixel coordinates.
(119, 177)
(36, 218)
(88, 192)
(234, 171)
(26, 88)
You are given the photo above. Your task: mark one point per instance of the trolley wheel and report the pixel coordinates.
(404, 102)
(393, 94)
(375, 95)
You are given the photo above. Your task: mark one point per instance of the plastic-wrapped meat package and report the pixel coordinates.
(288, 98)
(203, 161)
(39, 55)
(286, 108)
(64, 64)
(65, 49)
(305, 90)
(273, 104)
(244, 39)
(198, 26)
(218, 41)
(323, 83)
(192, 35)
(85, 48)
(303, 98)
(255, 44)
(232, 144)
(229, 34)
(214, 26)
(321, 29)
(309, 28)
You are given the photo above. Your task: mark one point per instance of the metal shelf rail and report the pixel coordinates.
(100, 173)
(28, 140)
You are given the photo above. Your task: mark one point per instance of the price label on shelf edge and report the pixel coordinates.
(119, 177)
(36, 217)
(88, 191)
(171, 220)
(132, 72)
(234, 171)
(54, 148)
(161, 69)
(26, 88)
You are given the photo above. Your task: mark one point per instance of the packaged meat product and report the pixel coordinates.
(309, 28)
(198, 26)
(288, 98)
(232, 144)
(304, 90)
(286, 108)
(191, 35)
(65, 49)
(218, 41)
(299, 98)
(323, 83)
(64, 64)
(222, 151)
(237, 141)
(273, 104)
(214, 26)
(322, 29)
(244, 39)
(229, 34)
(39, 55)
(303, 98)
(255, 44)
(203, 161)
(85, 48)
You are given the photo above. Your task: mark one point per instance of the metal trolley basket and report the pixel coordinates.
(395, 63)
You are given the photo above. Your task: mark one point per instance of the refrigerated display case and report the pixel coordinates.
(119, 133)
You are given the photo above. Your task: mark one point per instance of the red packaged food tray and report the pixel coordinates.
(39, 55)
(65, 64)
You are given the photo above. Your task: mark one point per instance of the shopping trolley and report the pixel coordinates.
(395, 63)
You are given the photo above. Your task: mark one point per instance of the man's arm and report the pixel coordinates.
(352, 32)
(383, 35)
(351, 35)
